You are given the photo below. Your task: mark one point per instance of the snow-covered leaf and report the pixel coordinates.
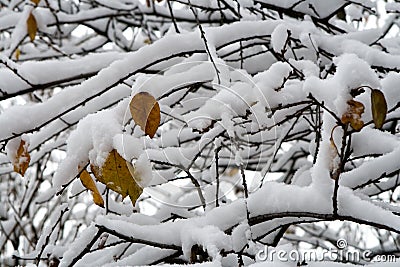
(118, 175)
(353, 114)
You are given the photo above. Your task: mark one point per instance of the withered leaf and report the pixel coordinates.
(334, 160)
(88, 182)
(31, 26)
(232, 171)
(22, 158)
(118, 175)
(35, 1)
(353, 114)
(145, 111)
(17, 53)
(378, 107)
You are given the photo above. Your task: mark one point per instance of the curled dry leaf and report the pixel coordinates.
(334, 160)
(353, 114)
(378, 107)
(31, 27)
(145, 111)
(22, 158)
(88, 183)
(35, 1)
(117, 174)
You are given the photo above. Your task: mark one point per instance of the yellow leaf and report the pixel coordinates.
(22, 158)
(88, 182)
(378, 107)
(35, 1)
(31, 26)
(147, 41)
(17, 53)
(118, 175)
(353, 114)
(145, 111)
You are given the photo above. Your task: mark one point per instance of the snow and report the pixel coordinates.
(299, 199)
(158, 85)
(352, 72)
(49, 233)
(354, 206)
(106, 79)
(296, 199)
(240, 237)
(12, 148)
(58, 70)
(91, 141)
(128, 146)
(78, 245)
(268, 84)
(142, 257)
(204, 264)
(20, 30)
(143, 170)
(258, 110)
(365, 142)
(354, 12)
(392, 7)
(310, 7)
(212, 240)
(389, 88)
(370, 55)
(279, 37)
(372, 170)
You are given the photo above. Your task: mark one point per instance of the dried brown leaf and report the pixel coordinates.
(22, 158)
(117, 174)
(31, 27)
(378, 107)
(353, 114)
(145, 111)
